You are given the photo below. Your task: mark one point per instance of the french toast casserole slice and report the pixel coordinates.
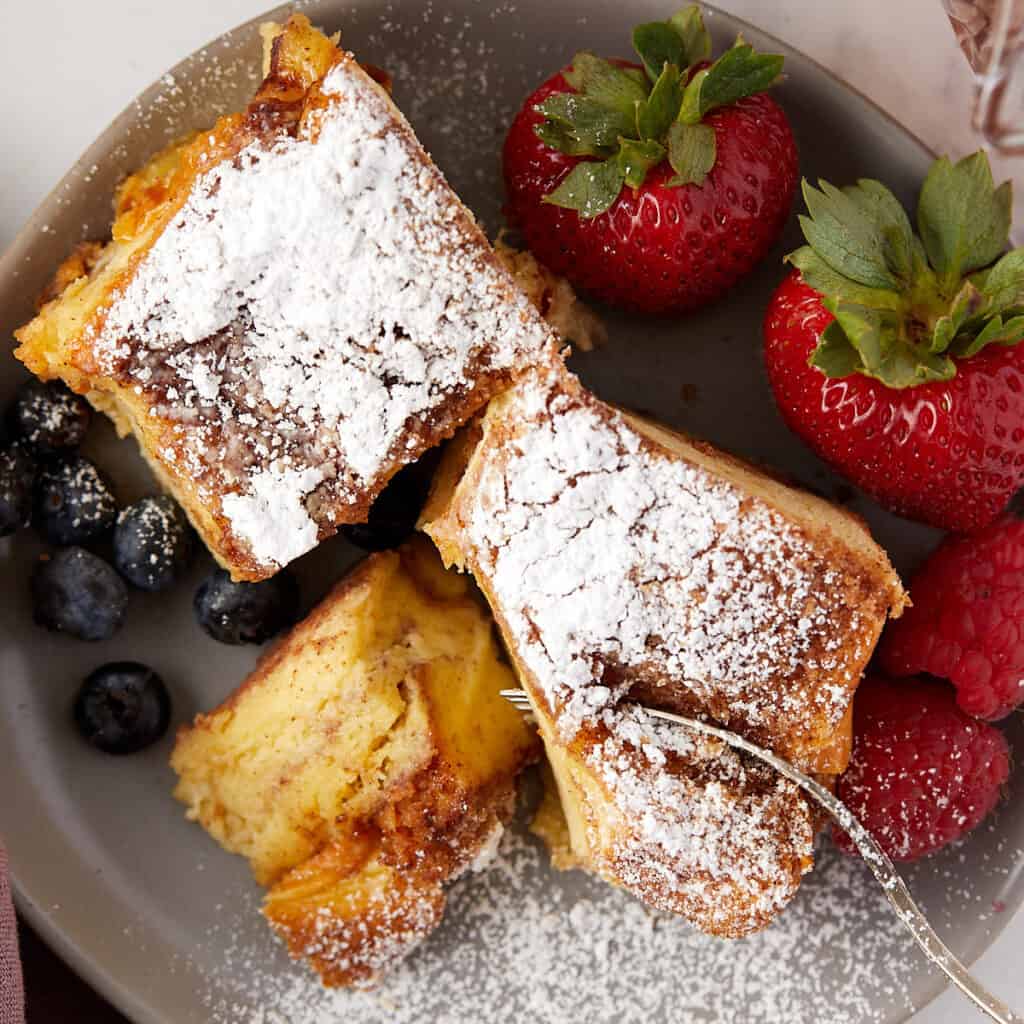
(293, 305)
(365, 762)
(624, 560)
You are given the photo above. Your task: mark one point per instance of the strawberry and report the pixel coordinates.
(656, 186)
(894, 355)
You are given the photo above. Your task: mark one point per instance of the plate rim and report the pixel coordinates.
(76, 956)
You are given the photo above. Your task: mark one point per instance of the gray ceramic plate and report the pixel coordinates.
(163, 922)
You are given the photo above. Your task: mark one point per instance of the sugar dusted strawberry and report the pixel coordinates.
(922, 773)
(895, 354)
(654, 186)
(967, 621)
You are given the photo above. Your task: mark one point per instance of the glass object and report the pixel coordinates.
(991, 35)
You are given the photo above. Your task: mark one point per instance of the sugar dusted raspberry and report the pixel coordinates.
(967, 620)
(922, 773)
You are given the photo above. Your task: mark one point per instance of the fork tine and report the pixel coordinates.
(517, 698)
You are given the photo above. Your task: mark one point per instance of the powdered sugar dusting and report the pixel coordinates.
(710, 833)
(603, 552)
(271, 517)
(518, 944)
(320, 301)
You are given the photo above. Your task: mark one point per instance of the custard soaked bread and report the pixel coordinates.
(293, 306)
(366, 761)
(622, 559)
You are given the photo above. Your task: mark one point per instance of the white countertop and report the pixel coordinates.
(99, 54)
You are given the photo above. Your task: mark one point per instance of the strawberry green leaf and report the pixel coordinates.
(822, 278)
(966, 304)
(963, 219)
(691, 152)
(884, 353)
(1011, 332)
(618, 88)
(891, 221)
(689, 110)
(638, 157)
(658, 111)
(737, 73)
(689, 23)
(995, 332)
(943, 334)
(658, 43)
(1003, 284)
(588, 122)
(849, 236)
(682, 40)
(834, 355)
(590, 187)
(559, 137)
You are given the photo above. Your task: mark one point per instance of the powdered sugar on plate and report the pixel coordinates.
(321, 303)
(521, 943)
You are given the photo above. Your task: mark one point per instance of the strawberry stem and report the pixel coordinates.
(630, 119)
(907, 304)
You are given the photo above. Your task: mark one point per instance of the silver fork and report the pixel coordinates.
(874, 856)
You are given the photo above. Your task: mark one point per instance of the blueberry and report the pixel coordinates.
(17, 478)
(76, 592)
(246, 613)
(122, 707)
(73, 502)
(153, 543)
(49, 416)
(394, 514)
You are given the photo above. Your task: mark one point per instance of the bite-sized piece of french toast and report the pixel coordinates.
(681, 821)
(554, 298)
(292, 306)
(625, 561)
(366, 761)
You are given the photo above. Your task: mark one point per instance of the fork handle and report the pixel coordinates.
(881, 867)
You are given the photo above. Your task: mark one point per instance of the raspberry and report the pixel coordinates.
(922, 773)
(967, 621)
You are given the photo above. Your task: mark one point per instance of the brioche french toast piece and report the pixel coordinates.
(365, 762)
(623, 560)
(292, 306)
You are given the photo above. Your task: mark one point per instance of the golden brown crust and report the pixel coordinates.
(58, 343)
(79, 263)
(361, 904)
(350, 915)
(606, 841)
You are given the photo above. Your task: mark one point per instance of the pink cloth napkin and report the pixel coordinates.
(12, 994)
